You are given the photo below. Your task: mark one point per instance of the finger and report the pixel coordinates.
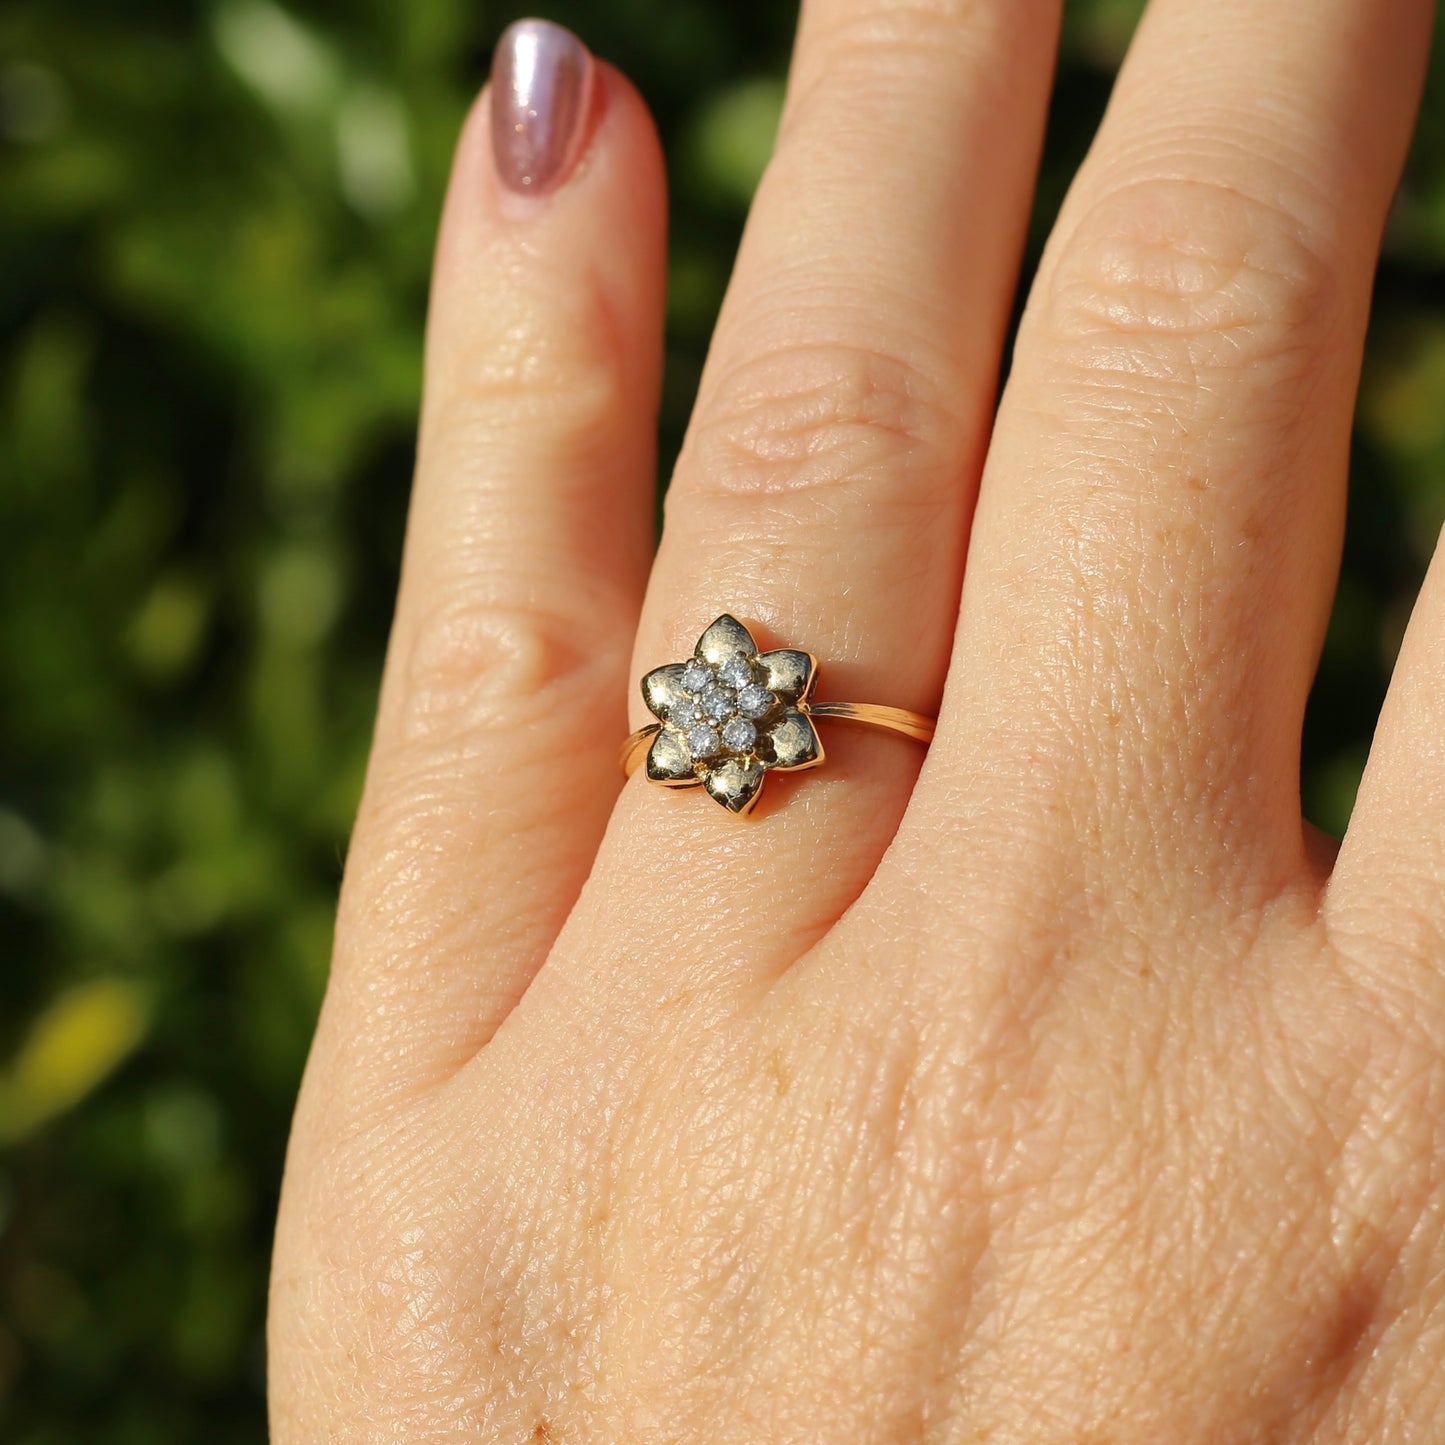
(1157, 536)
(825, 486)
(527, 549)
(1389, 879)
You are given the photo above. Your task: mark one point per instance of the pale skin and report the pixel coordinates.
(1056, 1084)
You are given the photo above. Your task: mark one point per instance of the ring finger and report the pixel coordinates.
(825, 486)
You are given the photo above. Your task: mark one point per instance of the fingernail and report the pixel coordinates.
(541, 94)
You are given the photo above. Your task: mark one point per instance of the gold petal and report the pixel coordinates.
(725, 637)
(669, 762)
(793, 743)
(736, 784)
(662, 687)
(791, 674)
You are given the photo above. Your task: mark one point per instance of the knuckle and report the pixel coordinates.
(473, 668)
(817, 419)
(863, 50)
(933, 28)
(556, 366)
(1168, 280)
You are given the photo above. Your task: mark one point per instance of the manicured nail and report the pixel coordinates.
(541, 95)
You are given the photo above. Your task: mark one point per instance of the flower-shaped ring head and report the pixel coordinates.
(730, 715)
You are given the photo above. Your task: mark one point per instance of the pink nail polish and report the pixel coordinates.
(542, 79)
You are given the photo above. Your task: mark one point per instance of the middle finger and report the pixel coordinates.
(1158, 530)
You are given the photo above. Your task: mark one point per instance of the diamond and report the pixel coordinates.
(755, 700)
(702, 742)
(719, 702)
(736, 671)
(682, 710)
(696, 676)
(739, 735)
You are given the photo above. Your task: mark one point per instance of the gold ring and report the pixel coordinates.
(730, 715)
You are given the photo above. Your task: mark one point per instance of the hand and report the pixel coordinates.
(1068, 1089)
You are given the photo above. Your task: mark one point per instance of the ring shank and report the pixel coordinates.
(878, 715)
(871, 714)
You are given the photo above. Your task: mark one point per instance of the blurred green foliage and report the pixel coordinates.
(213, 263)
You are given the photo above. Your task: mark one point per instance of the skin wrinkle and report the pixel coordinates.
(481, 668)
(820, 415)
(1212, 281)
(573, 355)
(866, 40)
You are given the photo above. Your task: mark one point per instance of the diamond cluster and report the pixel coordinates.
(722, 706)
(728, 715)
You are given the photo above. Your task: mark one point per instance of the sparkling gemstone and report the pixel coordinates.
(696, 676)
(736, 671)
(754, 700)
(702, 742)
(719, 702)
(683, 710)
(739, 735)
